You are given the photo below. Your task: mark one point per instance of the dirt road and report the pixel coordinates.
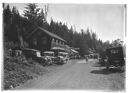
(78, 74)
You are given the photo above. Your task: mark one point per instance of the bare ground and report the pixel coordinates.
(78, 74)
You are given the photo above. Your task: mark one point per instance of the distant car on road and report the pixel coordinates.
(115, 57)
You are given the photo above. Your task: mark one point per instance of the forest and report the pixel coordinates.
(16, 26)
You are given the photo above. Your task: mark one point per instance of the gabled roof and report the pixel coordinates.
(50, 52)
(47, 32)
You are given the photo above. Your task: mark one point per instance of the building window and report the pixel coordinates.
(63, 43)
(44, 40)
(53, 40)
(60, 43)
(56, 41)
(34, 41)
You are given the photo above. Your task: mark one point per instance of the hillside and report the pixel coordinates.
(18, 70)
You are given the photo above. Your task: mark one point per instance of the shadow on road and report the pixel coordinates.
(99, 64)
(106, 72)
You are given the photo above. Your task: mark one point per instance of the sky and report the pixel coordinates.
(106, 20)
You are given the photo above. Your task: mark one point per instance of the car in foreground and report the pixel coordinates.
(115, 57)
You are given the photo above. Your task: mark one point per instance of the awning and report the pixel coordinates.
(57, 48)
(49, 52)
(74, 51)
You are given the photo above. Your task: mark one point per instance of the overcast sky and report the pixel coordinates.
(106, 20)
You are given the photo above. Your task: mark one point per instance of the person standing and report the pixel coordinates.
(86, 58)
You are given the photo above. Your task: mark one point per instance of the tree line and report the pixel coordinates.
(16, 26)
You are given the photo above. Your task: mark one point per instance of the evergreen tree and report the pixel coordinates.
(16, 26)
(35, 16)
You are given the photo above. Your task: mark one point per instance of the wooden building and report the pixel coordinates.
(44, 40)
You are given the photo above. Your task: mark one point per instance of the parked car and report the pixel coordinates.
(62, 58)
(73, 56)
(115, 57)
(31, 53)
(34, 54)
(49, 57)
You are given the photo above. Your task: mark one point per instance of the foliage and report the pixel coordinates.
(11, 45)
(86, 40)
(19, 26)
(18, 70)
(35, 16)
(117, 42)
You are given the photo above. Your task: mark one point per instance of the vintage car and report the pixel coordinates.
(115, 57)
(34, 54)
(31, 53)
(62, 58)
(49, 57)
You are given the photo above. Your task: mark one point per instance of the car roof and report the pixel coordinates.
(63, 52)
(50, 52)
(31, 49)
(114, 48)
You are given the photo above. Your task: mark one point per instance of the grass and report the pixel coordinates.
(18, 70)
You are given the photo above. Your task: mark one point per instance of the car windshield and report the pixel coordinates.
(115, 52)
(60, 54)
